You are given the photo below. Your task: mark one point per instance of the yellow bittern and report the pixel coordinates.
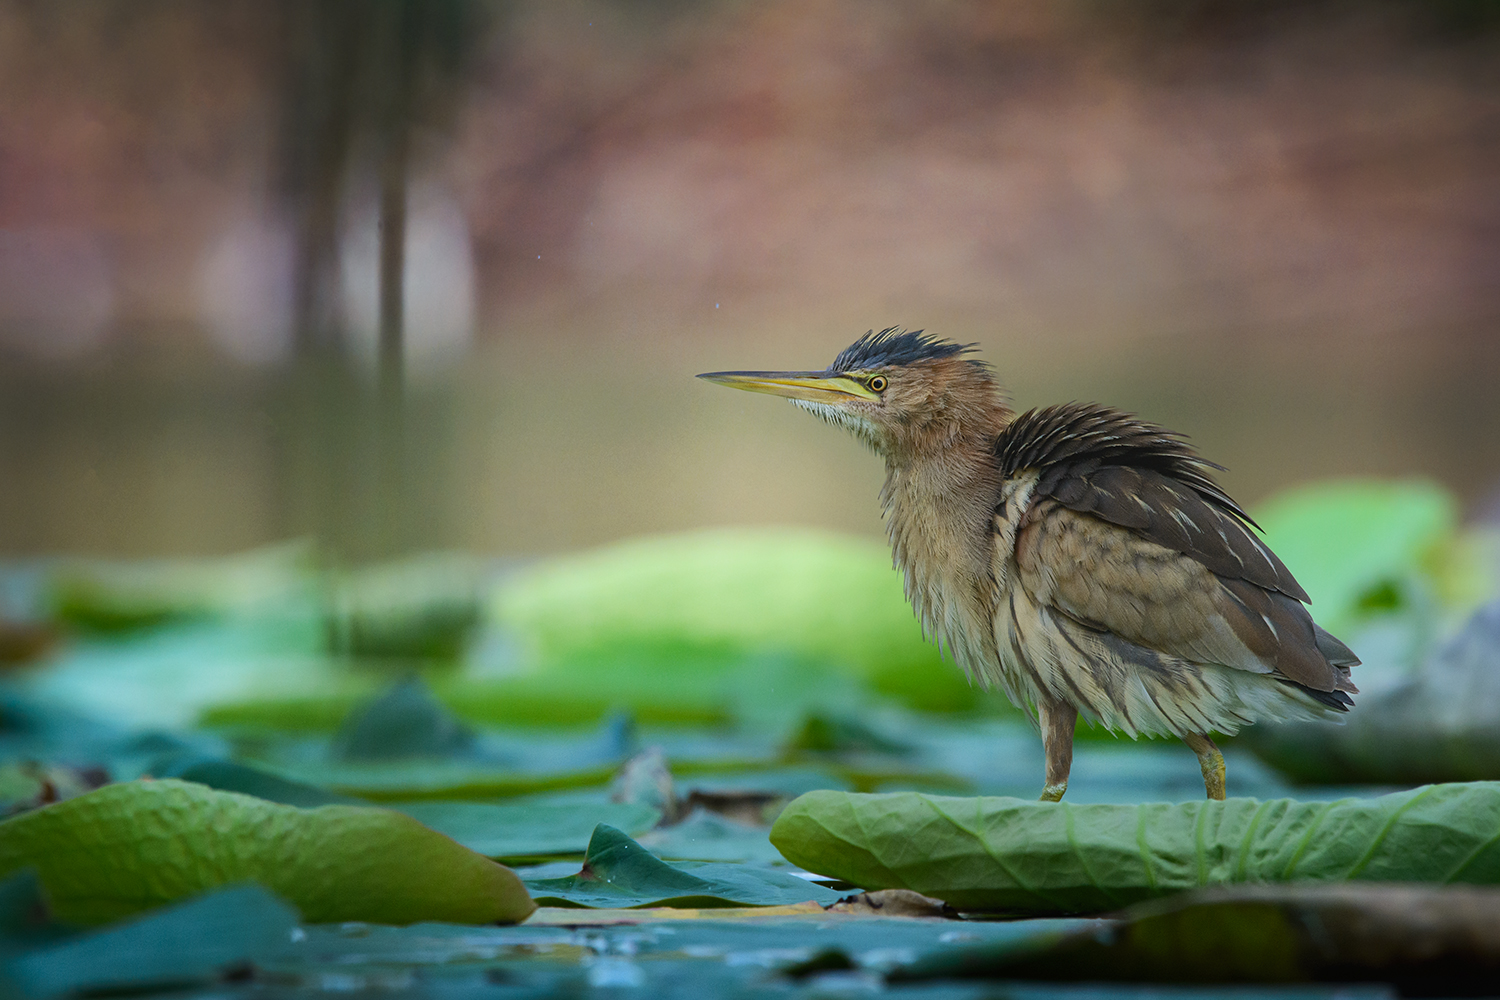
(1078, 557)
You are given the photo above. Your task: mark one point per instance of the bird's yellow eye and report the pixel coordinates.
(878, 383)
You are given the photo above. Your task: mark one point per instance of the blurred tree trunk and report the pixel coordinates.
(361, 77)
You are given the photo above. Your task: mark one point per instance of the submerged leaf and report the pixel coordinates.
(131, 846)
(1021, 856)
(619, 873)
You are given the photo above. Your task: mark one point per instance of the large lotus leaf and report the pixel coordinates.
(619, 873)
(1020, 856)
(824, 597)
(131, 846)
(1358, 546)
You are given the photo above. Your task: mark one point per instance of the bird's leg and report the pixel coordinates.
(1058, 720)
(1210, 760)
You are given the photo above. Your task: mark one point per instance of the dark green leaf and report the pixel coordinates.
(405, 721)
(618, 872)
(191, 944)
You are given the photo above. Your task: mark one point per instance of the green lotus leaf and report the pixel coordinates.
(1040, 858)
(131, 846)
(619, 873)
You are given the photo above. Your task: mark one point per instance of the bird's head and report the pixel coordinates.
(897, 390)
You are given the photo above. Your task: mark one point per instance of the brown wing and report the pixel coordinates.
(1101, 461)
(1127, 533)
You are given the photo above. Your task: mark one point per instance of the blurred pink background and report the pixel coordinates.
(1275, 227)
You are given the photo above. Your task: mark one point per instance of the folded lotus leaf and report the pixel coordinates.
(1040, 858)
(129, 847)
(619, 873)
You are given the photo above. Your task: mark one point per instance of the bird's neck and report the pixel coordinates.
(939, 503)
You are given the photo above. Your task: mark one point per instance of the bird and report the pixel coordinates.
(1079, 558)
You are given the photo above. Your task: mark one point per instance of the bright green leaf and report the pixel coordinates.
(1022, 856)
(1356, 546)
(822, 597)
(128, 847)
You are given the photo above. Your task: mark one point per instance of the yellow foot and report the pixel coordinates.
(1210, 762)
(1054, 793)
(1213, 776)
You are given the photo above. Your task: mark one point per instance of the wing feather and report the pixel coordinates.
(1128, 534)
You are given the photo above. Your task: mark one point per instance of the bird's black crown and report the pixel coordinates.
(894, 346)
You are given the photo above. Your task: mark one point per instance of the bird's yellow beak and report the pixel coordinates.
(816, 387)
